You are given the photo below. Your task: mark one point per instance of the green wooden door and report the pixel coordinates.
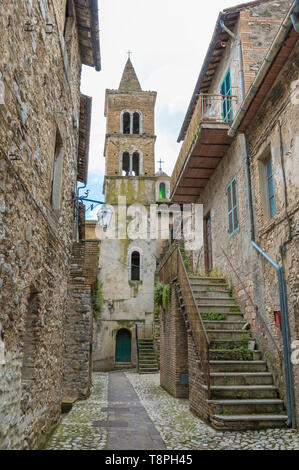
(123, 346)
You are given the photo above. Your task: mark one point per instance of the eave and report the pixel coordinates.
(84, 138)
(88, 32)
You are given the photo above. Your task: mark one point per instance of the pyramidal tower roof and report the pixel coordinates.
(129, 82)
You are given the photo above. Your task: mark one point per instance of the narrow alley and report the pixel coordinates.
(131, 411)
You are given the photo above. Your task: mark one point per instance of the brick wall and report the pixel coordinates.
(173, 350)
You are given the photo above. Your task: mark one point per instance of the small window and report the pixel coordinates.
(136, 123)
(232, 207)
(135, 266)
(126, 123)
(126, 164)
(30, 338)
(136, 164)
(162, 191)
(56, 185)
(227, 104)
(270, 188)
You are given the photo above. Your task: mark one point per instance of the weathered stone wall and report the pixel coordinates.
(40, 97)
(281, 105)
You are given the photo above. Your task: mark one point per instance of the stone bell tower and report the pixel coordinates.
(127, 266)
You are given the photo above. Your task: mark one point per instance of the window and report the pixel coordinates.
(126, 164)
(136, 163)
(135, 266)
(270, 188)
(126, 123)
(162, 191)
(57, 173)
(232, 207)
(226, 92)
(136, 123)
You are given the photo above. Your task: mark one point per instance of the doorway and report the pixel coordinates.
(123, 346)
(208, 244)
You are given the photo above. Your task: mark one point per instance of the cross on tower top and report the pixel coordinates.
(129, 53)
(160, 163)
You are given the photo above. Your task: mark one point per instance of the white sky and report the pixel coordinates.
(169, 40)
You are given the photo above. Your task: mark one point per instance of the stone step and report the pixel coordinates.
(207, 280)
(234, 355)
(215, 301)
(227, 344)
(238, 366)
(242, 422)
(220, 287)
(246, 407)
(212, 307)
(224, 324)
(234, 335)
(243, 391)
(241, 378)
(211, 294)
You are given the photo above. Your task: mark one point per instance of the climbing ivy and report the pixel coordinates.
(162, 296)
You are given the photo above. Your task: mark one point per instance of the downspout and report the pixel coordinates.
(291, 421)
(233, 36)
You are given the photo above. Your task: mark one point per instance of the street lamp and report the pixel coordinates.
(104, 216)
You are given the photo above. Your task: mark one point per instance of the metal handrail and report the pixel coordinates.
(137, 345)
(174, 268)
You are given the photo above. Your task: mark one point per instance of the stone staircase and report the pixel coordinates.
(147, 357)
(243, 393)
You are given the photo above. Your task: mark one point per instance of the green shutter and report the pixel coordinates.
(232, 207)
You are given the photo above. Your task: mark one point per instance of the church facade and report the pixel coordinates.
(127, 263)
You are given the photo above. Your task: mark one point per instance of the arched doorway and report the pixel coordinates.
(123, 346)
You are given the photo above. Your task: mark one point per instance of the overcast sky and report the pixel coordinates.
(168, 40)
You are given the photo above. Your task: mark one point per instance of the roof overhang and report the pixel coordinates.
(278, 54)
(84, 137)
(88, 32)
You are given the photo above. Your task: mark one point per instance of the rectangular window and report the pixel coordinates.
(270, 188)
(232, 207)
(227, 104)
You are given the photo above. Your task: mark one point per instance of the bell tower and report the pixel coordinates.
(130, 134)
(127, 264)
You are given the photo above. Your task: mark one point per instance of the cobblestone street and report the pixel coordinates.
(131, 411)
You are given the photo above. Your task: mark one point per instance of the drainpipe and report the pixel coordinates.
(294, 16)
(233, 36)
(291, 421)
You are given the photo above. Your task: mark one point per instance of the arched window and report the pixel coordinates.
(136, 164)
(126, 164)
(135, 266)
(162, 191)
(126, 123)
(136, 123)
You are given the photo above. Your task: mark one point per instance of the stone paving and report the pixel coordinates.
(181, 430)
(139, 414)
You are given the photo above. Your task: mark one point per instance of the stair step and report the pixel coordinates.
(244, 391)
(224, 308)
(254, 421)
(246, 407)
(224, 324)
(209, 280)
(229, 354)
(241, 378)
(222, 335)
(212, 294)
(238, 366)
(226, 343)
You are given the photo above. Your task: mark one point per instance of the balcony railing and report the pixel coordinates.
(210, 108)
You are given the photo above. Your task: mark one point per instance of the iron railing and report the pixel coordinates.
(210, 108)
(174, 269)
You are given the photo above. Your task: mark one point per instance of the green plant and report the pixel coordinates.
(214, 272)
(186, 259)
(166, 296)
(97, 300)
(158, 294)
(234, 310)
(213, 316)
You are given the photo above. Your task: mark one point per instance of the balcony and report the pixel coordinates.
(205, 143)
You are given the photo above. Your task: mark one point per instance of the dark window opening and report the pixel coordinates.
(126, 164)
(126, 123)
(68, 14)
(30, 337)
(135, 266)
(162, 191)
(57, 173)
(136, 163)
(136, 123)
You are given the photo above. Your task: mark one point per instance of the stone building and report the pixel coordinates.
(44, 132)
(127, 263)
(248, 83)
